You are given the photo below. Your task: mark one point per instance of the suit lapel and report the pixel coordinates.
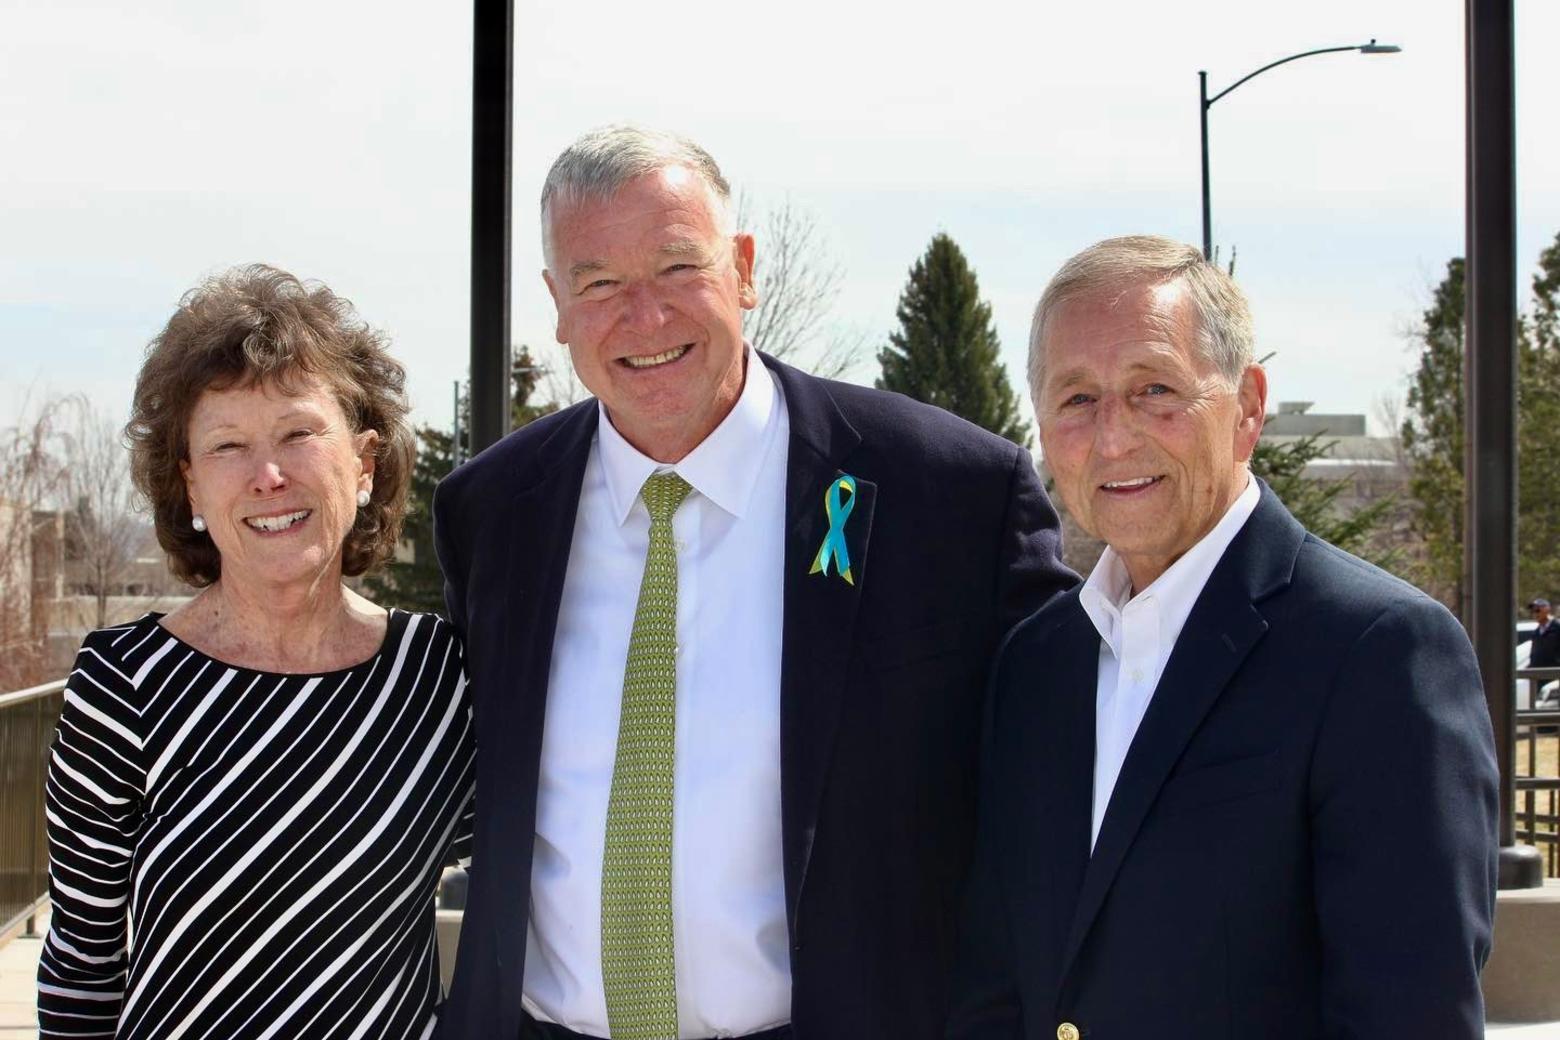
(1220, 632)
(819, 612)
(1056, 744)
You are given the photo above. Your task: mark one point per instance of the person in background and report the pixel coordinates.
(1240, 783)
(261, 786)
(728, 627)
(1545, 638)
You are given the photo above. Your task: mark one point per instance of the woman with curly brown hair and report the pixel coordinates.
(250, 798)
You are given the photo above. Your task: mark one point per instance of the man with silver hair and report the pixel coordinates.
(1239, 783)
(727, 627)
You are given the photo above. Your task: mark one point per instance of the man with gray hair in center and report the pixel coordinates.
(1239, 783)
(727, 626)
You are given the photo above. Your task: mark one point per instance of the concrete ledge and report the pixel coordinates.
(1519, 981)
(449, 939)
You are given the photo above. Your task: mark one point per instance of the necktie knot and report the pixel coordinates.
(663, 493)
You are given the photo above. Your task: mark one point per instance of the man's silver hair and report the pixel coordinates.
(1224, 333)
(597, 165)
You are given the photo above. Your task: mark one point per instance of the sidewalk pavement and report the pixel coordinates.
(1536, 1031)
(19, 967)
(18, 974)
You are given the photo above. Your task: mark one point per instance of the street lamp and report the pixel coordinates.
(1206, 102)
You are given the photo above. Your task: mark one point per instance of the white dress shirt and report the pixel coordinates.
(728, 883)
(1137, 634)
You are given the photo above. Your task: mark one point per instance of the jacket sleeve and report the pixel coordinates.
(985, 998)
(445, 545)
(1403, 811)
(92, 802)
(1030, 564)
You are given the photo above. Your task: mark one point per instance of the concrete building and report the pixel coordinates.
(1374, 466)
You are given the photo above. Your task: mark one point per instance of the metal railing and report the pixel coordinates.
(27, 721)
(1536, 800)
(28, 718)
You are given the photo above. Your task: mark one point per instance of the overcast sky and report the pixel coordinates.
(146, 146)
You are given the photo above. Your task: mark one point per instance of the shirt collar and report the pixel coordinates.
(724, 467)
(1173, 594)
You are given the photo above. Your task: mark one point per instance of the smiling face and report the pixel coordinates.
(276, 476)
(650, 294)
(1145, 438)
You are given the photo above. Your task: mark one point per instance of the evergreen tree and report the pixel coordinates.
(1314, 501)
(946, 351)
(525, 377)
(1432, 438)
(416, 583)
(1538, 435)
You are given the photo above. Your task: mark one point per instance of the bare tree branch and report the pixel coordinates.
(101, 528)
(30, 475)
(798, 282)
(560, 384)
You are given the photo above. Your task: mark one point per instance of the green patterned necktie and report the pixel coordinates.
(638, 965)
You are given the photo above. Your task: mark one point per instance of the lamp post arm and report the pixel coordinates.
(1276, 64)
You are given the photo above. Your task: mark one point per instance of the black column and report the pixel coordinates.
(492, 135)
(1491, 396)
(1207, 216)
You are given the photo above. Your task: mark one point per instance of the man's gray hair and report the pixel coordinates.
(597, 165)
(1224, 333)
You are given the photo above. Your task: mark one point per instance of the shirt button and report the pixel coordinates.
(1067, 1031)
(681, 546)
(1137, 676)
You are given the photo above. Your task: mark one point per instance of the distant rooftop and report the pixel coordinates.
(1295, 419)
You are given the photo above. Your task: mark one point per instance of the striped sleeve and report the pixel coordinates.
(460, 844)
(460, 848)
(93, 807)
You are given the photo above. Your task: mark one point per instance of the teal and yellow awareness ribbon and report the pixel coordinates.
(834, 547)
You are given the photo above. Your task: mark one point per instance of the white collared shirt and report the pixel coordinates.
(1137, 634)
(728, 882)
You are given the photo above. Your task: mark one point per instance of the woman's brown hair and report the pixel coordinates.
(251, 325)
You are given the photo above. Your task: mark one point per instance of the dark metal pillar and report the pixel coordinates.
(1202, 113)
(492, 135)
(1491, 395)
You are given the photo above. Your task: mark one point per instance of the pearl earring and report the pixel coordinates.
(363, 498)
(198, 522)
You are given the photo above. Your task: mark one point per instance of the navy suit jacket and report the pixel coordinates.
(1302, 840)
(951, 542)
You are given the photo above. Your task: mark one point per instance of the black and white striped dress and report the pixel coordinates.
(271, 841)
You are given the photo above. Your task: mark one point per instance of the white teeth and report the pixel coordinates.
(276, 523)
(658, 359)
(1139, 482)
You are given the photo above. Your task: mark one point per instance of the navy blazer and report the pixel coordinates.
(951, 542)
(1302, 840)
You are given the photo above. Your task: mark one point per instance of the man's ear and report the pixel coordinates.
(743, 257)
(560, 333)
(1252, 396)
